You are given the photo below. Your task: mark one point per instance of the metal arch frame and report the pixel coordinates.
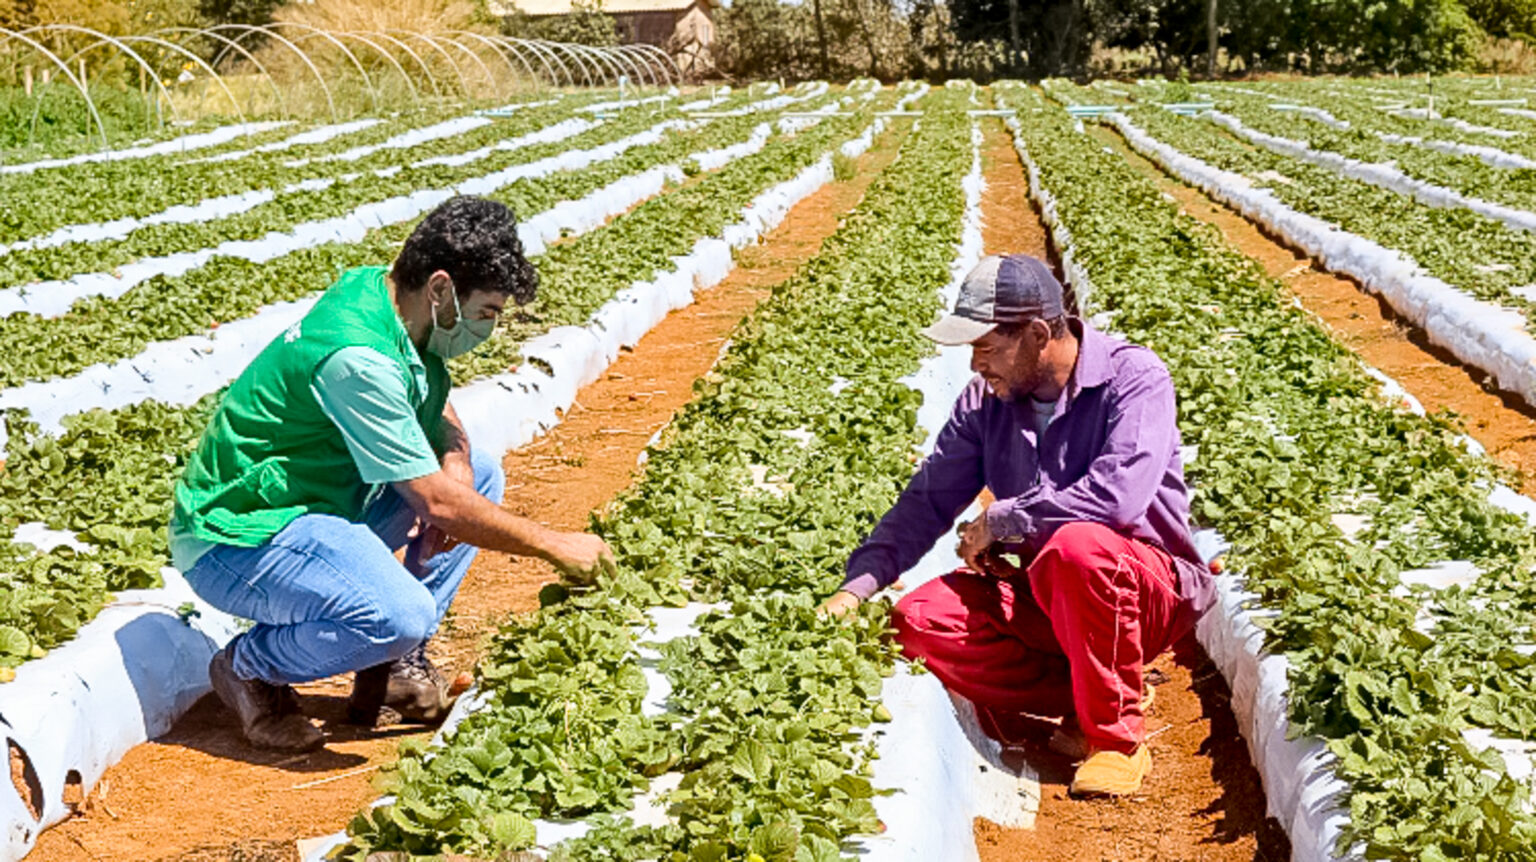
(616, 62)
(501, 51)
(585, 55)
(601, 58)
(373, 92)
(490, 76)
(369, 35)
(545, 55)
(642, 67)
(247, 30)
(101, 39)
(619, 55)
(282, 101)
(643, 63)
(458, 71)
(404, 75)
(90, 104)
(218, 79)
(571, 51)
(675, 75)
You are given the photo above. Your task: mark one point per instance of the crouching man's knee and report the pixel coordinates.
(405, 623)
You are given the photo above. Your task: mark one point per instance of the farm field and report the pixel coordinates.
(722, 375)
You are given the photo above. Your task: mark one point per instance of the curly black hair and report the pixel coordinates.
(475, 241)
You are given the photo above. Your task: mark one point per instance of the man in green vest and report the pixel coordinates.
(337, 448)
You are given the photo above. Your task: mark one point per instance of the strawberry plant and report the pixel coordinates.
(1291, 431)
(767, 697)
(109, 474)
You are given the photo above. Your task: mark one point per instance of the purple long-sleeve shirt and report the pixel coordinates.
(1110, 455)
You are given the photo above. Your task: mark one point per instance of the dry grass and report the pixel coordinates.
(1507, 57)
(420, 16)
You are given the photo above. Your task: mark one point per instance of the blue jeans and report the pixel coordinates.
(328, 595)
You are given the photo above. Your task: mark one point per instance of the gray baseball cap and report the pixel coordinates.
(1001, 289)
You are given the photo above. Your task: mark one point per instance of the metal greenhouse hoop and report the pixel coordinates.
(490, 76)
(458, 71)
(405, 76)
(282, 101)
(101, 39)
(602, 59)
(90, 104)
(373, 93)
(642, 64)
(557, 48)
(669, 67)
(199, 61)
(369, 35)
(247, 30)
(502, 52)
(636, 71)
(544, 55)
(439, 42)
(617, 62)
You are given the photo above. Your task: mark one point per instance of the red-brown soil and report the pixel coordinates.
(201, 793)
(1203, 799)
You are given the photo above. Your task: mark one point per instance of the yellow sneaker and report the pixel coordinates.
(1110, 773)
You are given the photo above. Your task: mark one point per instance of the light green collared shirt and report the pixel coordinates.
(362, 392)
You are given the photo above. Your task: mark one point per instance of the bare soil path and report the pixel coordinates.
(1203, 800)
(200, 793)
(1503, 422)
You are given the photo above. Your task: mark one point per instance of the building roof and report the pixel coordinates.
(611, 7)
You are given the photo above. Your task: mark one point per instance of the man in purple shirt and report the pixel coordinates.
(1083, 567)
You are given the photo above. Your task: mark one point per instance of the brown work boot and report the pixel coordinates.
(269, 714)
(406, 689)
(1110, 773)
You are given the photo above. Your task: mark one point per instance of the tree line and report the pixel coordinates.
(984, 39)
(1038, 38)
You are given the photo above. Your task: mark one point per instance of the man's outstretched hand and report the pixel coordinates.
(975, 540)
(839, 604)
(581, 557)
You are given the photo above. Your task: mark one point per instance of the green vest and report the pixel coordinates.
(270, 454)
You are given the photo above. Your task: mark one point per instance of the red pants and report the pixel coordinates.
(1070, 635)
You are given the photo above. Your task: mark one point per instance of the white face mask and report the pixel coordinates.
(460, 338)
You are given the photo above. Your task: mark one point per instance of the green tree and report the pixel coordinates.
(585, 24)
(249, 12)
(1505, 19)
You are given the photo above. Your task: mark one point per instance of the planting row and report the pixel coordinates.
(107, 474)
(1457, 123)
(113, 258)
(1402, 685)
(1487, 173)
(140, 189)
(1483, 257)
(164, 298)
(795, 444)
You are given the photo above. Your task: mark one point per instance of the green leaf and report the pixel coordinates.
(511, 830)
